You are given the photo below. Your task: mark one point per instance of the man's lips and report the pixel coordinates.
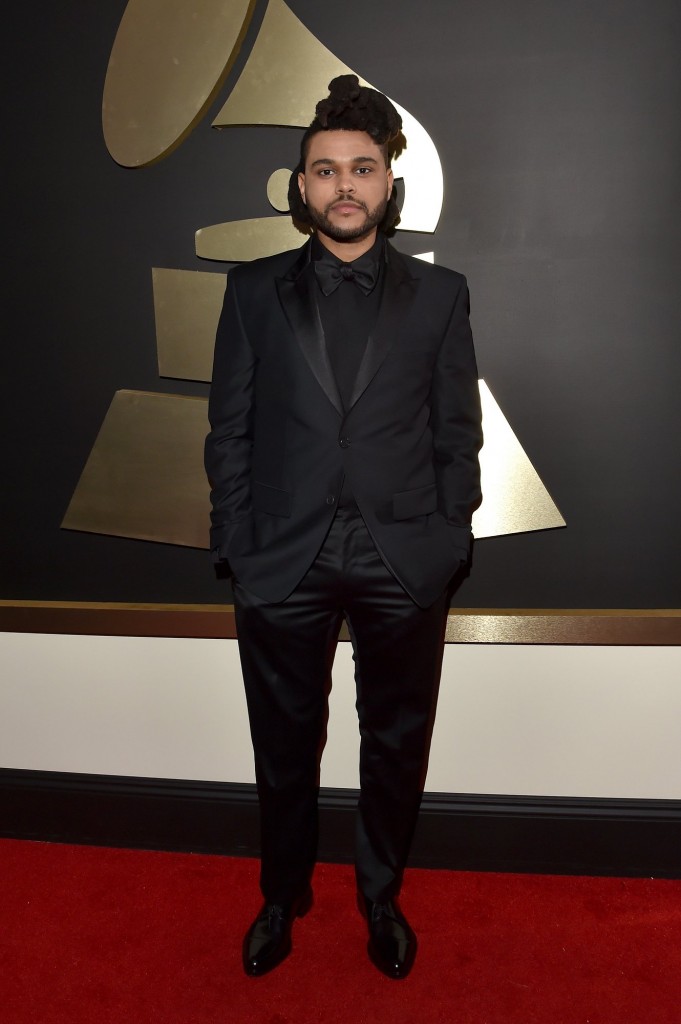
(346, 206)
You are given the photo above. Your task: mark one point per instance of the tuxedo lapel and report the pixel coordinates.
(398, 292)
(302, 313)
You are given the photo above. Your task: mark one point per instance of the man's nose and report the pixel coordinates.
(345, 184)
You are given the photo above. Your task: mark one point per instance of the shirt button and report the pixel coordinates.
(344, 442)
(330, 500)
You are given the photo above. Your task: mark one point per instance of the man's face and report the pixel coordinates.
(346, 185)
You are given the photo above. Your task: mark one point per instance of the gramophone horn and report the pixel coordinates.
(288, 71)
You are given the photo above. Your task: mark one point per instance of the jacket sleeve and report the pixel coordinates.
(230, 411)
(456, 422)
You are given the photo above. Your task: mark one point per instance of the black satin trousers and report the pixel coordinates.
(286, 651)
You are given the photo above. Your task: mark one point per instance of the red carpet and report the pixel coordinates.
(129, 937)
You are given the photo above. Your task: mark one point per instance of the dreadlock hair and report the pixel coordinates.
(356, 108)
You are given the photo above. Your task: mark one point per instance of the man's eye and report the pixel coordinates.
(364, 170)
(325, 172)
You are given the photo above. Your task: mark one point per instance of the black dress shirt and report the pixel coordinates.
(348, 317)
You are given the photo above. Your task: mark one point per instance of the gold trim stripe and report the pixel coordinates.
(605, 626)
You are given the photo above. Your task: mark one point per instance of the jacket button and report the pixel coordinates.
(344, 442)
(330, 500)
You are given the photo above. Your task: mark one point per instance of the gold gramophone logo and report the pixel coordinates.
(144, 477)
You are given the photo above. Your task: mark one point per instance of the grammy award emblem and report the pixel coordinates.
(144, 477)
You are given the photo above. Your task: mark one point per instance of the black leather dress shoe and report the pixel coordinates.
(392, 943)
(268, 941)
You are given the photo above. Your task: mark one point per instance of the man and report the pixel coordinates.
(343, 460)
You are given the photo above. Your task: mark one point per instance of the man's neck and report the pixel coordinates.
(348, 251)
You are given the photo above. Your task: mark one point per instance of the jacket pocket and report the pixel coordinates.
(270, 499)
(419, 502)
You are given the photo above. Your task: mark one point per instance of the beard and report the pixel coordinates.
(372, 218)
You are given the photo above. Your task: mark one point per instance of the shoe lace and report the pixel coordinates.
(274, 913)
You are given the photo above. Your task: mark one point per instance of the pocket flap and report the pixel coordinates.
(419, 502)
(272, 500)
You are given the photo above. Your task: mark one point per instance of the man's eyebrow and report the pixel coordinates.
(326, 161)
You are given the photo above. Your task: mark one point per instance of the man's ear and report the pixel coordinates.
(301, 185)
(391, 182)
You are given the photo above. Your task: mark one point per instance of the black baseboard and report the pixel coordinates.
(475, 833)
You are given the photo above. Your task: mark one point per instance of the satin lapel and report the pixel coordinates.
(302, 313)
(399, 289)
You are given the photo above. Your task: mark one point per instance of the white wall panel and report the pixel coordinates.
(526, 720)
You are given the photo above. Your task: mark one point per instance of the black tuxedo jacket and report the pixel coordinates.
(280, 441)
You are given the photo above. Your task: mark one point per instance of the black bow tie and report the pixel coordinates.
(330, 273)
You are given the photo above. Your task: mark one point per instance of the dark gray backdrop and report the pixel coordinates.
(559, 129)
